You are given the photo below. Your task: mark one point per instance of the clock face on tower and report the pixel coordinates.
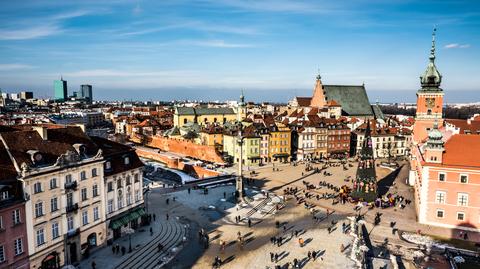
(430, 102)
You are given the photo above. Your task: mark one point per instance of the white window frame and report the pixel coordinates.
(84, 218)
(18, 246)
(94, 172)
(70, 223)
(96, 215)
(53, 186)
(52, 208)
(16, 216)
(1, 222)
(110, 206)
(40, 237)
(84, 194)
(37, 187)
(464, 215)
(444, 197)
(83, 175)
(443, 214)
(39, 209)
(95, 190)
(55, 230)
(462, 194)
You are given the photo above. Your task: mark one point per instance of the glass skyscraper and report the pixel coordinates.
(60, 87)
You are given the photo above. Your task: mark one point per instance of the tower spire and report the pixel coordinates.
(432, 50)
(319, 77)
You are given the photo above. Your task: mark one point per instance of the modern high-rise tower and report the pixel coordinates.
(60, 88)
(86, 91)
(429, 99)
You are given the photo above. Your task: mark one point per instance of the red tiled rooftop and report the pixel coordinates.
(462, 150)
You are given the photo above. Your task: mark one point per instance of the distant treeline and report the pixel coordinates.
(449, 112)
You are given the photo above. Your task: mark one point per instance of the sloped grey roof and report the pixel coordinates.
(185, 111)
(377, 112)
(353, 99)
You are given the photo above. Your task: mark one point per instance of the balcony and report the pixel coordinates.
(72, 208)
(71, 185)
(72, 233)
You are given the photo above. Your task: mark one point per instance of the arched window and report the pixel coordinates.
(184, 121)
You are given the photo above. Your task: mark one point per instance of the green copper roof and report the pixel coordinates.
(377, 112)
(353, 99)
(431, 78)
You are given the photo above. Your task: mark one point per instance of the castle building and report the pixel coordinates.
(445, 165)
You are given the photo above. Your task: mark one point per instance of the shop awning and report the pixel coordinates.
(126, 218)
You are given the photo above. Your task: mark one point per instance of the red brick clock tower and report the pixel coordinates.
(429, 99)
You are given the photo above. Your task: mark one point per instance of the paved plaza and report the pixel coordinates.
(193, 210)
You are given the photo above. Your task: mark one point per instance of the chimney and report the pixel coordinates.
(42, 131)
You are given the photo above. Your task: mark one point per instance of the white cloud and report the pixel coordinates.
(295, 6)
(29, 33)
(217, 44)
(9, 67)
(48, 26)
(457, 46)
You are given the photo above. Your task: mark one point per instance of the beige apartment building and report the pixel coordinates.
(62, 174)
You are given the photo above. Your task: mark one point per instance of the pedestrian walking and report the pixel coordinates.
(151, 231)
(94, 265)
(279, 241)
(160, 247)
(249, 223)
(300, 242)
(167, 201)
(224, 195)
(117, 248)
(123, 250)
(167, 216)
(314, 255)
(309, 255)
(342, 248)
(271, 256)
(296, 233)
(188, 190)
(276, 257)
(154, 217)
(113, 249)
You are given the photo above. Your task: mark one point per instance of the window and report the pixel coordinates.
(110, 186)
(137, 196)
(54, 204)
(4, 195)
(440, 197)
(129, 181)
(69, 199)
(55, 231)
(440, 214)
(108, 165)
(126, 160)
(463, 178)
(460, 216)
(68, 179)
(129, 198)
(16, 216)
(441, 176)
(95, 214)
(18, 245)
(70, 223)
(53, 183)
(40, 237)
(83, 175)
(119, 184)
(84, 194)
(95, 190)
(120, 199)
(37, 187)
(136, 178)
(110, 206)
(462, 199)
(94, 172)
(2, 254)
(85, 217)
(1, 223)
(39, 209)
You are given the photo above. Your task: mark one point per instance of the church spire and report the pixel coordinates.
(431, 78)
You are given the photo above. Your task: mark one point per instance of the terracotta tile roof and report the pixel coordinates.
(473, 127)
(313, 111)
(7, 169)
(462, 150)
(304, 101)
(333, 103)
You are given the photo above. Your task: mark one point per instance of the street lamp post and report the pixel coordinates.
(130, 243)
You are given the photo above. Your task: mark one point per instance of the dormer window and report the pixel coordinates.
(4, 195)
(126, 160)
(108, 165)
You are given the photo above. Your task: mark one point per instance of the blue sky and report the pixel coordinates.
(212, 49)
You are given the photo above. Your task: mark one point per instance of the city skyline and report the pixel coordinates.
(176, 50)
